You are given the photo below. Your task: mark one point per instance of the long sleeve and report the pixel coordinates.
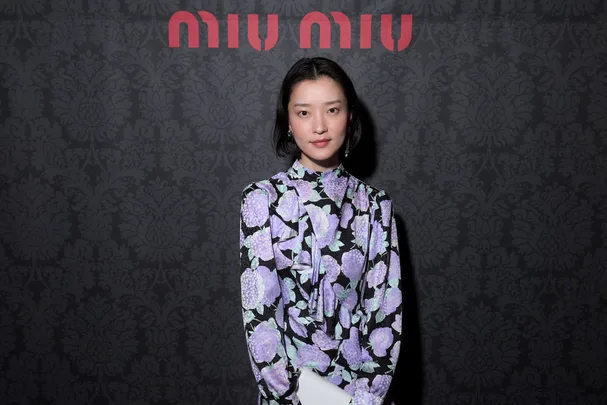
(382, 302)
(262, 302)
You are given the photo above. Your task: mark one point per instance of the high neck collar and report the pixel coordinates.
(299, 172)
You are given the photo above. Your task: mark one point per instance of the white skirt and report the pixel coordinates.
(315, 390)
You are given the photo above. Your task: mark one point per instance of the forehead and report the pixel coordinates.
(316, 91)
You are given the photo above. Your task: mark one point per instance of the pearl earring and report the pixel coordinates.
(347, 147)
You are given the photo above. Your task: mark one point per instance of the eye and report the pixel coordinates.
(302, 113)
(333, 110)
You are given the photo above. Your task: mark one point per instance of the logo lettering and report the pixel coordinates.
(253, 31)
(406, 27)
(316, 17)
(305, 27)
(187, 18)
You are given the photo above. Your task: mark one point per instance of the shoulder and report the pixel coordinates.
(268, 187)
(376, 195)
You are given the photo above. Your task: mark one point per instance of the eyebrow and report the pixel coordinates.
(306, 105)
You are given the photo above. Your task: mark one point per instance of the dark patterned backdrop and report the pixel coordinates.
(122, 162)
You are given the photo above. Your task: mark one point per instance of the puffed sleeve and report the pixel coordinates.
(262, 302)
(382, 302)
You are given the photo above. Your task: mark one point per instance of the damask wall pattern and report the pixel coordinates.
(122, 162)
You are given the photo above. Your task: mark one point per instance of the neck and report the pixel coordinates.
(319, 165)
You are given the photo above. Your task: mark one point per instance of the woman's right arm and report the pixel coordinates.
(262, 302)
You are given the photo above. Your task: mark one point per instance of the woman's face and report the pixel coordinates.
(318, 118)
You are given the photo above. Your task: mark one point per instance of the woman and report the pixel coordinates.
(321, 282)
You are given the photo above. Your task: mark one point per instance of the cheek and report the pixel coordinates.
(299, 128)
(342, 120)
(299, 140)
(340, 125)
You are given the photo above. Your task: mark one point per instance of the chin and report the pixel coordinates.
(321, 156)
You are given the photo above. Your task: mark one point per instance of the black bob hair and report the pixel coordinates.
(314, 69)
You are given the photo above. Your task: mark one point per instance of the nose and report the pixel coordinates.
(320, 126)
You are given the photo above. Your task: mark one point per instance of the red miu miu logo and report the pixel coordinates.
(305, 28)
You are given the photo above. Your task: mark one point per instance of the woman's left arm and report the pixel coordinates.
(382, 303)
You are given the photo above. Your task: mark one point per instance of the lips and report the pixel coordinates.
(321, 143)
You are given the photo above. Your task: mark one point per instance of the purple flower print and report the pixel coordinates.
(305, 258)
(381, 339)
(261, 245)
(392, 300)
(364, 355)
(323, 341)
(282, 261)
(393, 232)
(340, 291)
(328, 298)
(394, 266)
(255, 208)
(353, 264)
(380, 385)
(251, 287)
(263, 342)
(373, 303)
(287, 286)
(376, 244)
(276, 376)
(290, 244)
(346, 215)
(332, 268)
(348, 298)
(395, 350)
(362, 384)
(294, 324)
(345, 226)
(335, 379)
(280, 316)
(350, 388)
(335, 187)
(279, 228)
(351, 300)
(271, 286)
(345, 317)
(304, 188)
(397, 325)
(351, 349)
(360, 226)
(328, 237)
(365, 398)
(294, 242)
(312, 357)
(268, 188)
(386, 212)
(320, 221)
(256, 372)
(288, 206)
(361, 199)
(376, 275)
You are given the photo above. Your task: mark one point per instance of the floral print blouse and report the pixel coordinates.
(320, 283)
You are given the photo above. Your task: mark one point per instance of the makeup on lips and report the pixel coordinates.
(321, 143)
